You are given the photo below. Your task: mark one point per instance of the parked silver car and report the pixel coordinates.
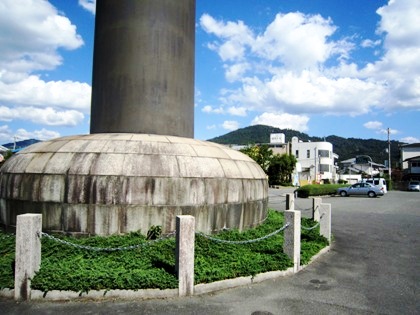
(414, 185)
(360, 189)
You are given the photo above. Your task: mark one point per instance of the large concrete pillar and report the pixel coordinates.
(143, 68)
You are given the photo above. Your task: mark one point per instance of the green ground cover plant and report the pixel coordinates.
(152, 263)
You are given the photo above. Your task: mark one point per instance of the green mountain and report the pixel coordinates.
(345, 148)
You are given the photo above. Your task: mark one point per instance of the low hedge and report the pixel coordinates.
(318, 190)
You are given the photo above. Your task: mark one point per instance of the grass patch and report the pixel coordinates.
(153, 265)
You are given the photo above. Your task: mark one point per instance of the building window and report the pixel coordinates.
(308, 153)
(325, 168)
(297, 154)
(324, 153)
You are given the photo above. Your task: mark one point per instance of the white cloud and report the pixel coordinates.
(297, 65)
(236, 71)
(89, 5)
(283, 121)
(7, 135)
(34, 91)
(46, 116)
(24, 47)
(368, 43)
(42, 134)
(237, 111)
(373, 125)
(230, 125)
(410, 140)
(235, 35)
(378, 127)
(288, 37)
(400, 64)
(211, 110)
(33, 32)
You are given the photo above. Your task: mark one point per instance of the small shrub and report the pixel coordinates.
(317, 190)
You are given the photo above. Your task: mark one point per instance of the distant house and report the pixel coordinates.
(315, 161)
(410, 161)
(362, 165)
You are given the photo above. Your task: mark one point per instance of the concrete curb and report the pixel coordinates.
(203, 288)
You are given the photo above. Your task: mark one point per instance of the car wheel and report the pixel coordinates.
(343, 193)
(371, 194)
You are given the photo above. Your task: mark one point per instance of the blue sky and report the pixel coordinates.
(323, 67)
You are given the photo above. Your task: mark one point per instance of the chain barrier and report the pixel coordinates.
(309, 228)
(298, 208)
(245, 241)
(104, 249)
(277, 197)
(312, 227)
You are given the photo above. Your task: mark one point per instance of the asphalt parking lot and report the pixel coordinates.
(372, 268)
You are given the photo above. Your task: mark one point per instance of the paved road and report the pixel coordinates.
(373, 268)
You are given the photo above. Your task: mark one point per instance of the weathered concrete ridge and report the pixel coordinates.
(117, 183)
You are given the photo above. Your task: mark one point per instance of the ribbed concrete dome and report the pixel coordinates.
(117, 183)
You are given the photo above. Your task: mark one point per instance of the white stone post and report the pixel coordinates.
(316, 202)
(290, 202)
(291, 244)
(185, 235)
(28, 253)
(325, 222)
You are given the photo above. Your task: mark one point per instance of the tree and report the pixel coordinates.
(281, 169)
(261, 154)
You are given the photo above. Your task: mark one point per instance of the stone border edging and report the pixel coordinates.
(203, 288)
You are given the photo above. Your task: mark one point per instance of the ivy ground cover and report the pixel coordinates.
(152, 263)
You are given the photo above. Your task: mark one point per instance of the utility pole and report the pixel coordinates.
(389, 156)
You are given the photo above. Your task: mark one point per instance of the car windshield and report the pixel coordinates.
(414, 183)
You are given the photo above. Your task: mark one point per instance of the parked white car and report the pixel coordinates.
(378, 182)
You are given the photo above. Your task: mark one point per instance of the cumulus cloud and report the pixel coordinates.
(373, 125)
(25, 48)
(368, 43)
(378, 127)
(34, 91)
(283, 121)
(299, 65)
(230, 125)
(7, 134)
(45, 116)
(212, 110)
(89, 5)
(33, 33)
(410, 140)
(42, 134)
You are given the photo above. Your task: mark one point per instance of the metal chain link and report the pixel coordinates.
(246, 241)
(309, 228)
(312, 227)
(104, 249)
(298, 208)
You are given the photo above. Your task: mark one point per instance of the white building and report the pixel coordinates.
(410, 159)
(315, 161)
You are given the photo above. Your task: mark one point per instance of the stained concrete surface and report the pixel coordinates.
(373, 268)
